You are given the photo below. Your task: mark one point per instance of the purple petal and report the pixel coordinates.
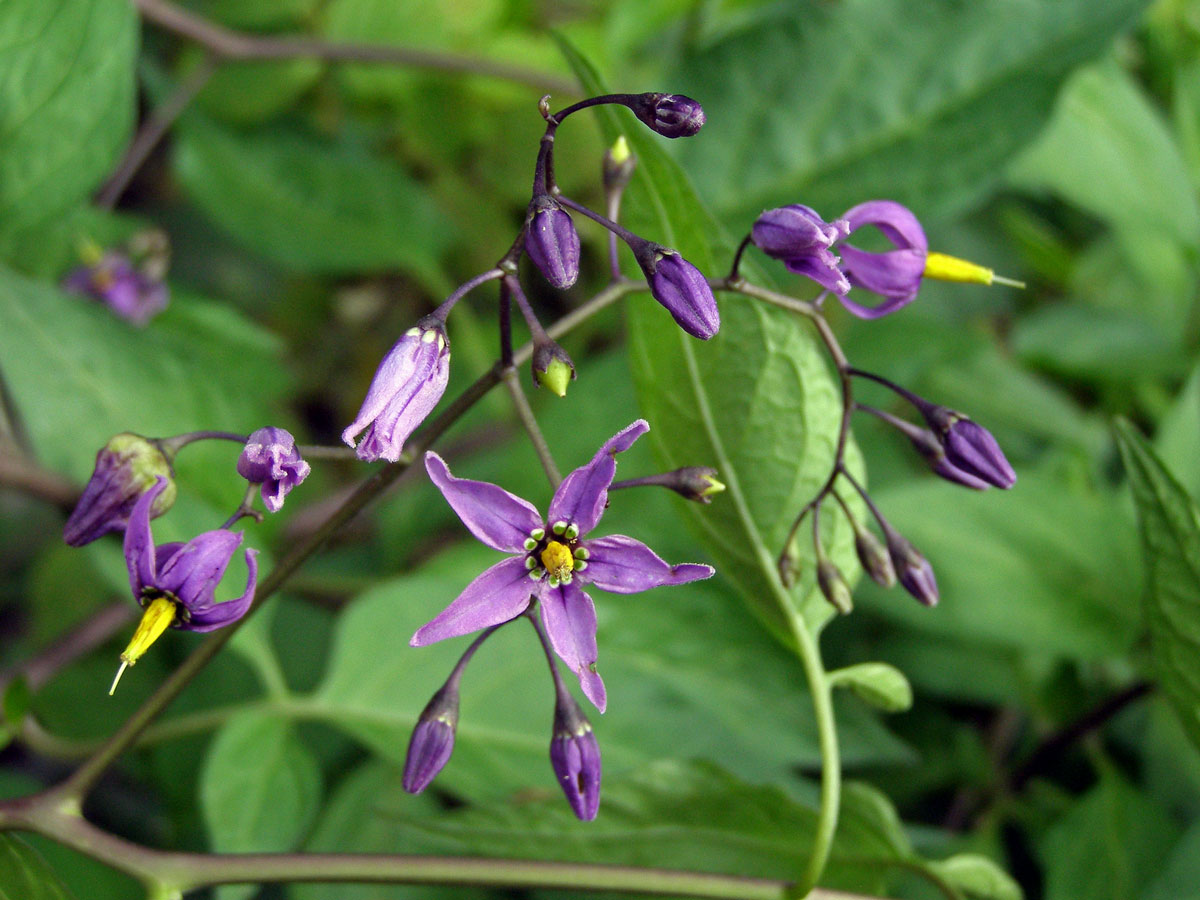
(497, 595)
(209, 615)
(895, 275)
(193, 573)
(497, 518)
(821, 266)
(898, 223)
(583, 494)
(626, 566)
(570, 619)
(139, 542)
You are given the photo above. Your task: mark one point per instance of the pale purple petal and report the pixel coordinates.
(822, 267)
(894, 274)
(897, 223)
(570, 620)
(497, 518)
(209, 615)
(626, 566)
(497, 595)
(583, 494)
(139, 542)
(193, 573)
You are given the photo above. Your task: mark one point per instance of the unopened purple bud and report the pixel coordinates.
(270, 458)
(930, 447)
(552, 242)
(682, 289)
(432, 740)
(407, 386)
(874, 558)
(126, 467)
(575, 756)
(971, 448)
(913, 569)
(671, 115)
(795, 230)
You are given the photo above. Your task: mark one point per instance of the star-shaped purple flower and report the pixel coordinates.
(551, 561)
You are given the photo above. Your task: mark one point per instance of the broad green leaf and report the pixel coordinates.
(1108, 846)
(248, 92)
(260, 788)
(879, 684)
(314, 205)
(977, 877)
(724, 691)
(831, 104)
(24, 875)
(1179, 875)
(79, 375)
(1044, 567)
(66, 102)
(757, 402)
(1171, 538)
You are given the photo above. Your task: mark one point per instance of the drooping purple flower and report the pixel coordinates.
(270, 458)
(432, 739)
(123, 288)
(575, 757)
(126, 467)
(681, 288)
(176, 583)
(406, 387)
(550, 560)
(895, 274)
(552, 242)
(801, 238)
(671, 115)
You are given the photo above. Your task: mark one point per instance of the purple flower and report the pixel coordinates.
(432, 740)
(114, 281)
(971, 448)
(671, 115)
(896, 274)
(801, 238)
(551, 560)
(552, 242)
(681, 288)
(270, 458)
(175, 583)
(126, 467)
(575, 757)
(406, 387)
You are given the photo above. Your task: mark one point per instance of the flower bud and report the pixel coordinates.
(270, 458)
(696, 483)
(575, 757)
(126, 467)
(619, 164)
(874, 557)
(833, 586)
(682, 289)
(432, 740)
(913, 569)
(927, 444)
(971, 448)
(671, 115)
(407, 386)
(552, 243)
(552, 367)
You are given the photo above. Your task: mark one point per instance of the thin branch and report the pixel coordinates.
(18, 471)
(532, 429)
(228, 44)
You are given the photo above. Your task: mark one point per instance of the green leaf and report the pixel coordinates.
(831, 104)
(260, 788)
(756, 402)
(66, 102)
(977, 877)
(879, 684)
(725, 692)
(314, 205)
(1178, 437)
(1171, 538)
(24, 875)
(1179, 875)
(1108, 846)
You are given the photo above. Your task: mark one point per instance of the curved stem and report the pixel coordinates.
(529, 423)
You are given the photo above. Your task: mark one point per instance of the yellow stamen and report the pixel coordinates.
(557, 559)
(155, 620)
(951, 268)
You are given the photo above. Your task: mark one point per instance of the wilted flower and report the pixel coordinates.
(575, 757)
(671, 115)
(270, 458)
(552, 242)
(126, 467)
(125, 289)
(681, 288)
(175, 583)
(551, 560)
(407, 386)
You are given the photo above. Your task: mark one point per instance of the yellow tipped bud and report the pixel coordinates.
(714, 486)
(556, 377)
(951, 268)
(620, 150)
(155, 620)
